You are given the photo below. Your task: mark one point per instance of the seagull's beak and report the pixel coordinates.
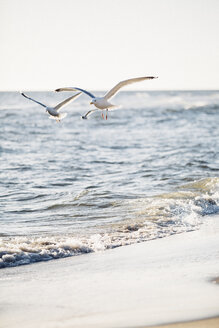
(91, 103)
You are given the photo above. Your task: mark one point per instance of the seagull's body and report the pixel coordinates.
(54, 111)
(103, 103)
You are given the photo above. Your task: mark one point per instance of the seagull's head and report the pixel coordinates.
(93, 101)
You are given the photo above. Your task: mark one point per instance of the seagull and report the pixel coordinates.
(54, 111)
(103, 103)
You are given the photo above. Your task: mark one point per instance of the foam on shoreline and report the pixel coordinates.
(152, 283)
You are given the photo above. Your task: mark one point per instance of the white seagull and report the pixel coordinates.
(103, 103)
(54, 111)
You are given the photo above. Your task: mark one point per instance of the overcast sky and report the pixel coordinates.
(94, 44)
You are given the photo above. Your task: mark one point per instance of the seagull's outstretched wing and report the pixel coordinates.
(76, 89)
(121, 84)
(88, 113)
(33, 100)
(66, 101)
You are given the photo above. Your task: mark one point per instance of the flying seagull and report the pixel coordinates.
(103, 103)
(54, 111)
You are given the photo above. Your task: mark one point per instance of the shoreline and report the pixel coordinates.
(170, 280)
(202, 323)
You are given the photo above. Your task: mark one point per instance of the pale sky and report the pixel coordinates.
(93, 44)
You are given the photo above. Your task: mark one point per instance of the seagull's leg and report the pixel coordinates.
(102, 116)
(106, 113)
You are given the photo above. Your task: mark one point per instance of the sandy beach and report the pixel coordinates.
(153, 283)
(205, 323)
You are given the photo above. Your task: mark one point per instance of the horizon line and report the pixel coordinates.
(102, 90)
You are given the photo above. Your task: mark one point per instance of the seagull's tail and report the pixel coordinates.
(58, 117)
(113, 107)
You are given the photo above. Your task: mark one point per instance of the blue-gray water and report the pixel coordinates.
(149, 171)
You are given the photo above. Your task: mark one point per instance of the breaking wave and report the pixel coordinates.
(147, 218)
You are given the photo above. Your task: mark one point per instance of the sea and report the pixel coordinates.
(151, 170)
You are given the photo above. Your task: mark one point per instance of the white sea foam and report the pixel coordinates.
(154, 217)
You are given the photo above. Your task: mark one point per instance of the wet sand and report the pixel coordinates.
(205, 323)
(153, 283)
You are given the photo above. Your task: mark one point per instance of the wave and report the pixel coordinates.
(173, 101)
(149, 218)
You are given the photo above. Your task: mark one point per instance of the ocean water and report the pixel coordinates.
(79, 186)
